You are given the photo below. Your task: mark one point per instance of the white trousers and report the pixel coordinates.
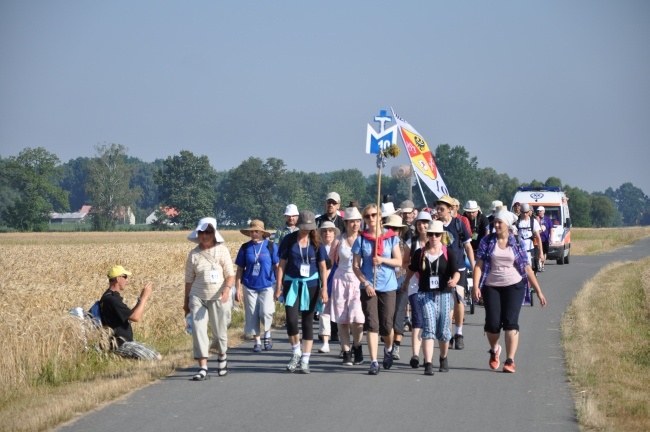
(259, 307)
(218, 315)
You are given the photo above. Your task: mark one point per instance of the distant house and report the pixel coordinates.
(75, 217)
(169, 211)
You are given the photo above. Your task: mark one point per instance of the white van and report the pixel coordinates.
(555, 203)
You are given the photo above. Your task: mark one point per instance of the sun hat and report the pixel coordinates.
(291, 210)
(541, 208)
(387, 209)
(306, 220)
(202, 226)
(471, 206)
(329, 225)
(255, 225)
(406, 206)
(333, 196)
(525, 207)
(446, 199)
(495, 204)
(116, 271)
(424, 216)
(436, 227)
(352, 213)
(394, 221)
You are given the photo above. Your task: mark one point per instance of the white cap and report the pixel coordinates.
(495, 204)
(291, 210)
(541, 208)
(333, 196)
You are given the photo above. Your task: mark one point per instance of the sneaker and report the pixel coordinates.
(316, 316)
(444, 365)
(428, 369)
(460, 344)
(451, 342)
(415, 362)
(257, 347)
(494, 357)
(304, 367)
(268, 343)
(374, 368)
(341, 354)
(347, 358)
(358, 354)
(509, 366)
(388, 359)
(395, 352)
(324, 349)
(293, 364)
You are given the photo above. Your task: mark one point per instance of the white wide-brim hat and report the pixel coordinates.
(202, 226)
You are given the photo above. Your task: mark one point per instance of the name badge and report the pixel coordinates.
(256, 269)
(213, 276)
(434, 282)
(304, 270)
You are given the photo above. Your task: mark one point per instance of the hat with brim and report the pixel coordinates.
(436, 226)
(471, 206)
(116, 271)
(291, 210)
(446, 199)
(495, 204)
(424, 216)
(328, 225)
(352, 213)
(255, 225)
(306, 220)
(202, 226)
(394, 221)
(387, 209)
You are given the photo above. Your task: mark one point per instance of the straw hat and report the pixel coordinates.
(447, 200)
(328, 225)
(436, 227)
(255, 225)
(394, 221)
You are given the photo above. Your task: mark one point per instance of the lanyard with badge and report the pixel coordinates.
(214, 274)
(305, 268)
(434, 280)
(256, 266)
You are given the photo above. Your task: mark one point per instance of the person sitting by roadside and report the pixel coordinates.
(118, 316)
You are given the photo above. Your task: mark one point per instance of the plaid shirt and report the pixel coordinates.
(486, 249)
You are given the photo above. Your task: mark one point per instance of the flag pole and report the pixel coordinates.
(381, 162)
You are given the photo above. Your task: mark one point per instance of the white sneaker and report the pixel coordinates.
(324, 349)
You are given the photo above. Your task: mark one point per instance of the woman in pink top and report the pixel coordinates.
(501, 276)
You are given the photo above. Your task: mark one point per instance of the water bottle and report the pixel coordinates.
(188, 323)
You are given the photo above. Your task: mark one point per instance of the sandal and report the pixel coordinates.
(222, 366)
(202, 375)
(268, 343)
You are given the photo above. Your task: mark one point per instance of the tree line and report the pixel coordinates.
(35, 183)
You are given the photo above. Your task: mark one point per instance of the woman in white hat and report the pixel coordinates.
(376, 255)
(302, 272)
(257, 263)
(209, 274)
(413, 246)
(437, 268)
(328, 232)
(502, 276)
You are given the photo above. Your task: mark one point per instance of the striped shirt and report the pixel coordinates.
(199, 267)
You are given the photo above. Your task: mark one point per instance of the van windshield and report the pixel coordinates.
(553, 212)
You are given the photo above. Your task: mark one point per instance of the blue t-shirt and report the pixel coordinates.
(248, 255)
(294, 255)
(386, 279)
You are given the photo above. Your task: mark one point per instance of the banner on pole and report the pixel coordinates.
(421, 157)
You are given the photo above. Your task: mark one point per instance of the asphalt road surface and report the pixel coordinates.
(259, 394)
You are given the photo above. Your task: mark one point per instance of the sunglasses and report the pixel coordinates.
(125, 276)
(206, 232)
(370, 215)
(332, 202)
(434, 234)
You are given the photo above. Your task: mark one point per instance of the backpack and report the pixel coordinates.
(269, 246)
(95, 314)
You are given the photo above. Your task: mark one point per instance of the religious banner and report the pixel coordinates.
(421, 157)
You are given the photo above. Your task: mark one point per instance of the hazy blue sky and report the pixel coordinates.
(533, 89)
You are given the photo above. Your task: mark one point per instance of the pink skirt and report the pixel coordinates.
(345, 302)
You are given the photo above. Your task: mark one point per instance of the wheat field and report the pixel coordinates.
(45, 275)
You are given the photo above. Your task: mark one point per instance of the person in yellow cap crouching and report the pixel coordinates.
(118, 316)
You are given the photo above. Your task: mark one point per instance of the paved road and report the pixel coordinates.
(258, 394)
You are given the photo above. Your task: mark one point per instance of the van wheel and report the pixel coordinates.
(566, 258)
(560, 261)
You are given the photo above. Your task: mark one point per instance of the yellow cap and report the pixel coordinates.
(116, 271)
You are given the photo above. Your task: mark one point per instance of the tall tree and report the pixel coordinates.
(74, 178)
(34, 173)
(459, 171)
(630, 201)
(108, 186)
(186, 183)
(603, 212)
(579, 206)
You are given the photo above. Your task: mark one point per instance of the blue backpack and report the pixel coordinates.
(95, 313)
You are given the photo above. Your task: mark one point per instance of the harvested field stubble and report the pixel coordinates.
(48, 274)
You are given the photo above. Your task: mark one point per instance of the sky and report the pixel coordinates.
(531, 89)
